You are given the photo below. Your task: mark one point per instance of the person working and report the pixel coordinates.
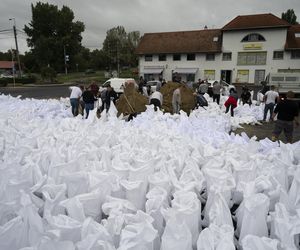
(76, 93)
(287, 112)
(156, 99)
(270, 98)
(89, 100)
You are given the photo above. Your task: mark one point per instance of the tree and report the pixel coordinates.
(119, 47)
(52, 32)
(289, 16)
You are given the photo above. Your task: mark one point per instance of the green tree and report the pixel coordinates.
(51, 32)
(289, 16)
(119, 47)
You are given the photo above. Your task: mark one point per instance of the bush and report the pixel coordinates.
(48, 74)
(26, 79)
(3, 82)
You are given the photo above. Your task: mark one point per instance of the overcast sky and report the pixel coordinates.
(139, 15)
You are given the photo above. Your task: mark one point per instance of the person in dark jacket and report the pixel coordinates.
(246, 96)
(110, 95)
(94, 88)
(89, 100)
(287, 112)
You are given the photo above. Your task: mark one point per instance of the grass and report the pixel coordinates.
(98, 76)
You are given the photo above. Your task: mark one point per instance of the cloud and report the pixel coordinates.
(142, 15)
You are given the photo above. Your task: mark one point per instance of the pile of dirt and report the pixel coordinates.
(131, 101)
(187, 97)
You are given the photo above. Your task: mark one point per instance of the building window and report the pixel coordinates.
(162, 57)
(176, 57)
(190, 57)
(209, 74)
(148, 58)
(227, 56)
(253, 37)
(210, 57)
(278, 55)
(252, 58)
(242, 76)
(295, 54)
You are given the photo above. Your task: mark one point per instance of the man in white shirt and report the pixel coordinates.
(270, 98)
(156, 99)
(76, 93)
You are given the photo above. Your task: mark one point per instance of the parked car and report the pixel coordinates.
(90, 71)
(118, 84)
(153, 84)
(225, 90)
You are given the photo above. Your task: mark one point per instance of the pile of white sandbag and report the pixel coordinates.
(160, 181)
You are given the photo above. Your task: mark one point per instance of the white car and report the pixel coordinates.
(226, 87)
(118, 84)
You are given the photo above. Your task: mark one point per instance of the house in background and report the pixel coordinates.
(7, 67)
(244, 51)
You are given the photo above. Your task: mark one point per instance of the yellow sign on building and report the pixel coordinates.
(252, 46)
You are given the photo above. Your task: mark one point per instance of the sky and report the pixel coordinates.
(145, 16)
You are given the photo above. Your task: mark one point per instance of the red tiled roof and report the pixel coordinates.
(293, 42)
(198, 41)
(6, 64)
(258, 21)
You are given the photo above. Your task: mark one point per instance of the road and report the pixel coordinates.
(37, 92)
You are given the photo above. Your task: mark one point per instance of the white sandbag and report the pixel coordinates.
(216, 210)
(176, 236)
(116, 208)
(32, 221)
(116, 205)
(92, 203)
(13, 234)
(68, 228)
(255, 206)
(157, 199)
(50, 244)
(283, 227)
(92, 242)
(53, 195)
(188, 209)
(253, 242)
(91, 227)
(135, 192)
(191, 179)
(160, 179)
(139, 232)
(224, 179)
(294, 192)
(74, 208)
(77, 183)
(216, 237)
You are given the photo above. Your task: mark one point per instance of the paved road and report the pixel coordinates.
(38, 92)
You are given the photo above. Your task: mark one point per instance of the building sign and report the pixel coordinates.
(253, 46)
(209, 74)
(242, 76)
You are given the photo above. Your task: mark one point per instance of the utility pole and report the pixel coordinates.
(17, 48)
(13, 66)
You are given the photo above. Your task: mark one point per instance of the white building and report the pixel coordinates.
(244, 51)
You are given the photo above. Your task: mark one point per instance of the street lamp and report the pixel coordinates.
(17, 48)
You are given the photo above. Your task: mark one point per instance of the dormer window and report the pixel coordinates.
(254, 37)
